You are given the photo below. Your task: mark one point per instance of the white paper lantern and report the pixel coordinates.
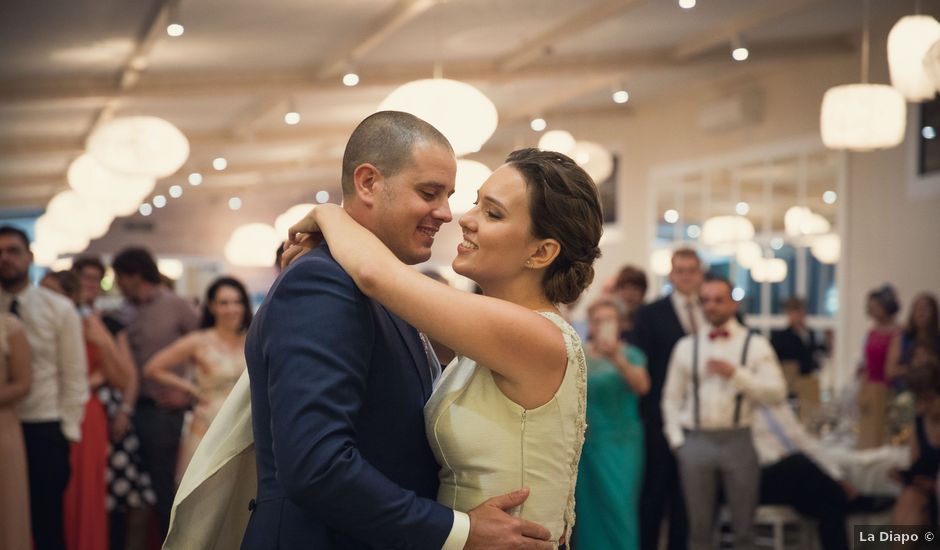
(932, 64)
(908, 42)
(470, 176)
(723, 234)
(827, 248)
(73, 212)
(559, 141)
(460, 111)
(141, 145)
(171, 267)
(116, 192)
(594, 158)
(862, 117)
(291, 216)
(799, 221)
(44, 253)
(661, 261)
(59, 236)
(749, 253)
(253, 245)
(769, 270)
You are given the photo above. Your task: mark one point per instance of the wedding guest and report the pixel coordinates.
(873, 396)
(630, 290)
(86, 519)
(659, 325)
(717, 376)
(15, 378)
(919, 339)
(217, 350)
(51, 414)
(160, 318)
(611, 471)
(917, 503)
(796, 471)
(797, 342)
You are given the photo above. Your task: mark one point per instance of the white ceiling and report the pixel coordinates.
(228, 80)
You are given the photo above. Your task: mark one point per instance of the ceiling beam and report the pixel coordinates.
(137, 62)
(542, 44)
(382, 28)
(727, 32)
(482, 72)
(539, 106)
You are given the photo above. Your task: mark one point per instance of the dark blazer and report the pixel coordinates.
(790, 347)
(656, 331)
(338, 387)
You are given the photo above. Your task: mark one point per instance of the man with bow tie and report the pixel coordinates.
(715, 377)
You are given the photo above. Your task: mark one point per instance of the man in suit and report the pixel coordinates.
(338, 383)
(659, 325)
(797, 342)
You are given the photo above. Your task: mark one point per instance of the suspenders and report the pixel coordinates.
(697, 415)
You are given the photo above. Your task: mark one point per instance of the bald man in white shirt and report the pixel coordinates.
(715, 377)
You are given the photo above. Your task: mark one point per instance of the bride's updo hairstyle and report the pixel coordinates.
(564, 205)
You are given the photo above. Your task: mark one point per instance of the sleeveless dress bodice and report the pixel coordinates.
(488, 445)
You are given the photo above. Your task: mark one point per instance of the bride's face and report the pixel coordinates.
(497, 231)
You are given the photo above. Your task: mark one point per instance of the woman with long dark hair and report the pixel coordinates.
(217, 350)
(918, 342)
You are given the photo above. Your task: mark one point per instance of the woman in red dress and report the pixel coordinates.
(86, 516)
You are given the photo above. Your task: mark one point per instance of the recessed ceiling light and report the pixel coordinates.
(174, 30)
(538, 124)
(220, 163)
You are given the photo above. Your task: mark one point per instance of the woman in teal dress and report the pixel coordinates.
(611, 470)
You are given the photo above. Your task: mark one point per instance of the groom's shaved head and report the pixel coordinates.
(385, 140)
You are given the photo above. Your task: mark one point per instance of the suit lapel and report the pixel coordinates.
(673, 318)
(413, 342)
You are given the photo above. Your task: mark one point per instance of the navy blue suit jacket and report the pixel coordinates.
(656, 330)
(338, 387)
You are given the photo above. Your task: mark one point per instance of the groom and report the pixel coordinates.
(338, 383)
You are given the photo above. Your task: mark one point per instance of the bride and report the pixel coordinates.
(508, 412)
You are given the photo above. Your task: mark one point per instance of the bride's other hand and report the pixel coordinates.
(293, 251)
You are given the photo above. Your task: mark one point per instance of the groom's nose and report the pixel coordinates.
(442, 211)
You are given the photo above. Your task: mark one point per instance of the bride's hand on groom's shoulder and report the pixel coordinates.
(293, 251)
(308, 226)
(492, 527)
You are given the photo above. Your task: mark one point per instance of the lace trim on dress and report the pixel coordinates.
(575, 350)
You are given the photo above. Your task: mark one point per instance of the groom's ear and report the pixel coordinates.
(365, 179)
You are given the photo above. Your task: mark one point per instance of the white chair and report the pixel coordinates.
(776, 527)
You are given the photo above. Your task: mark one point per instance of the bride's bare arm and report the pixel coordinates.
(525, 348)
